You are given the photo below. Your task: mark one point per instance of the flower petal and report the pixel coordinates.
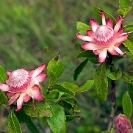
(89, 46)
(82, 37)
(119, 51)
(9, 94)
(26, 98)
(97, 52)
(120, 31)
(109, 22)
(102, 56)
(122, 37)
(4, 87)
(8, 73)
(12, 99)
(39, 70)
(36, 94)
(90, 33)
(19, 102)
(118, 24)
(103, 18)
(40, 78)
(112, 51)
(94, 25)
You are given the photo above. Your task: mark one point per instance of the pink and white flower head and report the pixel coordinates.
(103, 38)
(22, 85)
(122, 125)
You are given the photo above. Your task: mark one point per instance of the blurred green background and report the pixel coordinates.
(34, 31)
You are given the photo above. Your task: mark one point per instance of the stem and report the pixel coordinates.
(113, 105)
(113, 97)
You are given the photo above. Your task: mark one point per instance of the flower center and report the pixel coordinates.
(19, 80)
(104, 35)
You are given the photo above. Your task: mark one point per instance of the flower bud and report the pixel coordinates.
(122, 125)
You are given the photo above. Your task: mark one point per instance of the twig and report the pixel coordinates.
(113, 97)
(113, 105)
(130, 71)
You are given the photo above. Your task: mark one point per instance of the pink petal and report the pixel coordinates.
(89, 46)
(120, 31)
(109, 22)
(82, 37)
(122, 37)
(19, 103)
(90, 33)
(9, 94)
(4, 87)
(112, 51)
(12, 99)
(102, 56)
(26, 98)
(36, 94)
(38, 70)
(97, 52)
(8, 73)
(119, 51)
(31, 71)
(94, 25)
(118, 24)
(40, 78)
(35, 87)
(103, 18)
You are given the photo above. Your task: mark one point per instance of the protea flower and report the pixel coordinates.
(103, 38)
(22, 85)
(122, 125)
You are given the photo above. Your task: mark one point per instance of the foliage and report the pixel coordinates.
(65, 101)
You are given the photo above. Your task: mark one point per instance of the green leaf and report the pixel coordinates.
(123, 3)
(3, 98)
(110, 16)
(115, 58)
(129, 55)
(124, 7)
(101, 82)
(97, 11)
(53, 94)
(13, 123)
(114, 74)
(127, 78)
(52, 77)
(82, 27)
(40, 111)
(105, 132)
(89, 55)
(3, 75)
(87, 85)
(130, 90)
(112, 131)
(127, 105)
(79, 69)
(54, 69)
(23, 118)
(70, 86)
(64, 104)
(62, 89)
(70, 118)
(124, 11)
(57, 121)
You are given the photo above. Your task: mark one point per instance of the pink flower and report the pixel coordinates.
(22, 85)
(122, 125)
(103, 38)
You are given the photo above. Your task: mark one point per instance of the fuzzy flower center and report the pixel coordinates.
(103, 35)
(18, 79)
